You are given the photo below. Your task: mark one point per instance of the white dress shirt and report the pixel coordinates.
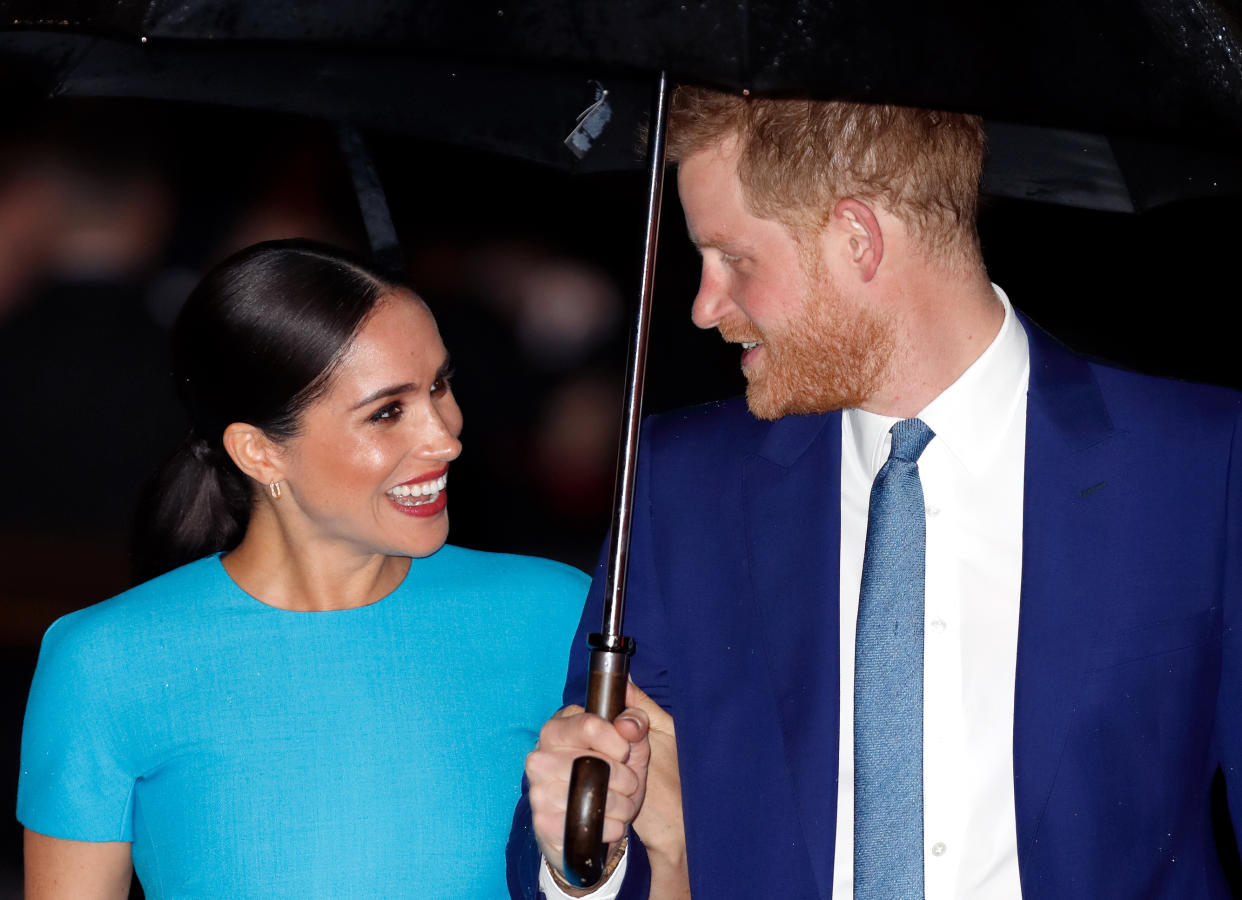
(608, 890)
(972, 475)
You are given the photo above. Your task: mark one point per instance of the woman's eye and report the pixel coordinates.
(442, 384)
(388, 411)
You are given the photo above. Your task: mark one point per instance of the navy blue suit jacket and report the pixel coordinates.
(1129, 669)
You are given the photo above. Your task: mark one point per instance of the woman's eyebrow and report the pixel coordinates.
(445, 368)
(385, 392)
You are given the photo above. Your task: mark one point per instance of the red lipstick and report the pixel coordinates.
(423, 496)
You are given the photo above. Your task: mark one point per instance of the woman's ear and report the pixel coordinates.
(252, 451)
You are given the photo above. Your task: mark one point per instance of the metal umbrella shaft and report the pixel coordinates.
(610, 651)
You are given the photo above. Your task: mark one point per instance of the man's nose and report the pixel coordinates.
(711, 303)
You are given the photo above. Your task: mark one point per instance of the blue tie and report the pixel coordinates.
(888, 680)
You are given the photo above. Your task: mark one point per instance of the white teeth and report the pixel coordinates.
(426, 491)
(417, 501)
(750, 345)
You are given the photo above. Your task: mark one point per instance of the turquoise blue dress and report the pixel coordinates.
(254, 752)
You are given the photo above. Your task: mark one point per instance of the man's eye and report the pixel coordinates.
(388, 411)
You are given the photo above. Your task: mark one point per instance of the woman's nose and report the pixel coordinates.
(439, 437)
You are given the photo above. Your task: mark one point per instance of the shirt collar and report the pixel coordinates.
(970, 415)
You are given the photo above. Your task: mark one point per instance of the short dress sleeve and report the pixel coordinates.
(76, 782)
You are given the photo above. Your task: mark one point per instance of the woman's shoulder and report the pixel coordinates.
(163, 599)
(476, 588)
(510, 568)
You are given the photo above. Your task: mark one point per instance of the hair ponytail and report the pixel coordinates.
(197, 503)
(256, 342)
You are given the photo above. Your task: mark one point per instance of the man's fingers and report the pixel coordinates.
(549, 796)
(636, 696)
(547, 824)
(571, 727)
(659, 719)
(584, 732)
(569, 735)
(552, 769)
(632, 724)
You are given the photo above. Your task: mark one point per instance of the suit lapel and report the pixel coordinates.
(1063, 585)
(795, 481)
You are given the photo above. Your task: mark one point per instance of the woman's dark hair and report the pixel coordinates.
(256, 342)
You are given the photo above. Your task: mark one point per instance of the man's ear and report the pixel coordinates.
(256, 454)
(860, 230)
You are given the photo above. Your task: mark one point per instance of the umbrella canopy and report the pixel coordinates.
(1150, 74)
(1164, 66)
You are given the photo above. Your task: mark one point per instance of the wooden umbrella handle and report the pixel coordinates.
(585, 851)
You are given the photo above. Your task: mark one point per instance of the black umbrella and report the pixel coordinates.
(1161, 78)
(1148, 65)
(1151, 74)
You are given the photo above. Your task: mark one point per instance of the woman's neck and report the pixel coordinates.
(309, 576)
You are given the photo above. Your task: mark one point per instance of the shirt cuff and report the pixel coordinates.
(605, 890)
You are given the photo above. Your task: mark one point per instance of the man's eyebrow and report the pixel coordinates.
(702, 244)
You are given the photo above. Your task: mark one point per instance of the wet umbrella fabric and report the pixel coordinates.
(1153, 66)
(514, 79)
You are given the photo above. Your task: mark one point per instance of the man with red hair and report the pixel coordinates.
(943, 610)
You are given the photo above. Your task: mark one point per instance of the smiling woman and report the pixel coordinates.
(360, 474)
(279, 713)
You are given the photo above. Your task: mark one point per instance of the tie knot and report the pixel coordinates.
(910, 439)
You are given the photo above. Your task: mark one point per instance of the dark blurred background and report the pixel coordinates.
(110, 211)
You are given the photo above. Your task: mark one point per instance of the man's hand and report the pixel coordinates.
(660, 823)
(571, 733)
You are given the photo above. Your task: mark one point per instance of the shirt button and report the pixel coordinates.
(938, 625)
(938, 848)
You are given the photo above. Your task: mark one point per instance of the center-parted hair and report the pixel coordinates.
(256, 342)
(799, 157)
